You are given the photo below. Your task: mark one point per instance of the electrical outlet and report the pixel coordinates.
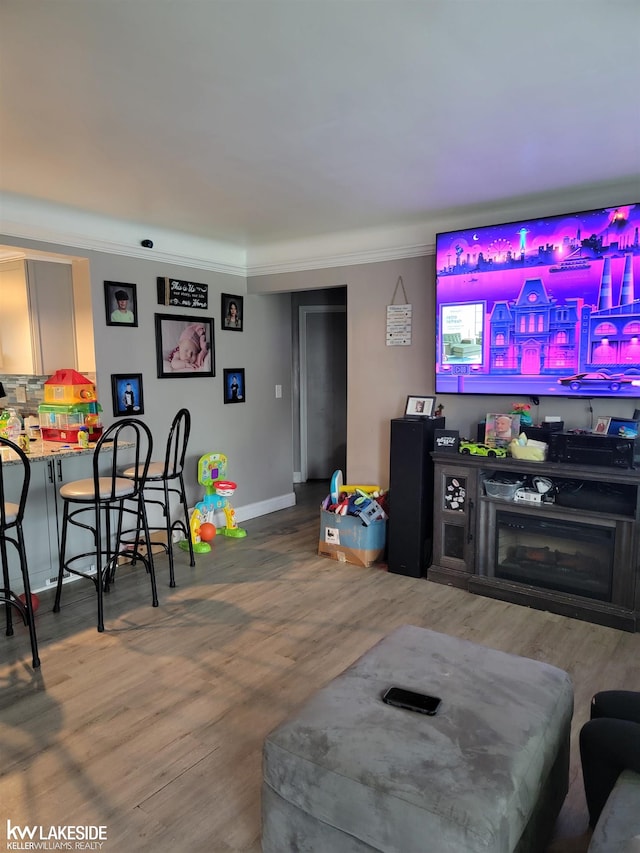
(278, 392)
(21, 393)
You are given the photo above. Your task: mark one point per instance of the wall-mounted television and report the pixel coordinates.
(541, 307)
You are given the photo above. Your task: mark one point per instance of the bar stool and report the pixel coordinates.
(167, 477)
(99, 497)
(11, 516)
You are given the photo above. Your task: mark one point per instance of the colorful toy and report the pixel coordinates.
(70, 404)
(35, 601)
(207, 531)
(196, 522)
(212, 468)
(355, 500)
(476, 448)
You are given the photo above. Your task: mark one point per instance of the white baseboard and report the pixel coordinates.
(243, 513)
(297, 477)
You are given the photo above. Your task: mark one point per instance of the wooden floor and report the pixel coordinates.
(154, 729)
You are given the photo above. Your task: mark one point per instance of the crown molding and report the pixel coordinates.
(22, 218)
(364, 246)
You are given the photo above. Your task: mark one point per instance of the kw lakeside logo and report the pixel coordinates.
(55, 837)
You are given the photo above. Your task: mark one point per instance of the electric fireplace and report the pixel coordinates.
(557, 554)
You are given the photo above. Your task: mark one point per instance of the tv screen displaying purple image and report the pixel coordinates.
(541, 307)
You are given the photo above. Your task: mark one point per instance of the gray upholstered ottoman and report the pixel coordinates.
(349, 774)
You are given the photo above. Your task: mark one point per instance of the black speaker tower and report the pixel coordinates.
(410, 527)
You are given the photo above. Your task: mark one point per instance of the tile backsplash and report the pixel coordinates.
(34, 389)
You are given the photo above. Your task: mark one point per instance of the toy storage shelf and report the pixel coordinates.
(578, 556)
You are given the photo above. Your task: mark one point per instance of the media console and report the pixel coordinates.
(578, 555)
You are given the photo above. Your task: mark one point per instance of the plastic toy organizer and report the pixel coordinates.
(70, 403)
(62, 422)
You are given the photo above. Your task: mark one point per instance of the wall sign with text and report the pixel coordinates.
(182, 294)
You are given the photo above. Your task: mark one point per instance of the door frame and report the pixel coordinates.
(303, 313)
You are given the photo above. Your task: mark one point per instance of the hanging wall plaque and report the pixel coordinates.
(399, 319)
(183, 294)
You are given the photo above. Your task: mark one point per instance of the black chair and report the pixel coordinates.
(102, 497)
(167, 477)
(11, 516)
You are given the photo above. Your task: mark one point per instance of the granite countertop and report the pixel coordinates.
(41, 450)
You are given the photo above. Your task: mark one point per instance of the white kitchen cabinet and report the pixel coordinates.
(37, 322)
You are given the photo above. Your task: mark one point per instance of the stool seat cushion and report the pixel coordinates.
(84, 490)
(11, 511)
(349, 768)
(155, 471)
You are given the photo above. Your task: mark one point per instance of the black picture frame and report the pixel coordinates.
(180, 342)
(113, 309)
(123, 385)
(419, 406)
(234, 385)
(230, 321)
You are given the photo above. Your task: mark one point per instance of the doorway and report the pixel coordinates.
(323, 390)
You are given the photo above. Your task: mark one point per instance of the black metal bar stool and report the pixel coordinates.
(92, 504)
(167, 477)
(11, 515)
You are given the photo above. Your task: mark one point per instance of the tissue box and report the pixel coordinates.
(532, 451)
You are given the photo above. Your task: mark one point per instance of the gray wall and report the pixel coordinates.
(256, 435)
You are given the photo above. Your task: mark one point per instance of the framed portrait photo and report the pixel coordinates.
(184, 346)
(121, 306)
(601, 426)
(500, 428)
(234, 388)
(232, 312)
(419, 406)
(126, 393)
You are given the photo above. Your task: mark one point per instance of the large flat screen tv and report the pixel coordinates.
(541, 307)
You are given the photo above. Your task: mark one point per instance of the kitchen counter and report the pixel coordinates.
(41, 450)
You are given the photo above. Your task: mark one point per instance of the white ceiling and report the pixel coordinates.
(256, 121)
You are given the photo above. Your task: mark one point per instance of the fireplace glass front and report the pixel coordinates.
(563, 555)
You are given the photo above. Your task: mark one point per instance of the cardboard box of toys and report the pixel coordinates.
(353, 538)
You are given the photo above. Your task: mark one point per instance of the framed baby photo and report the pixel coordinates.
(232, 312)
(421, 407)
(234, 390)
(120, 304)
(126, 393)
(184, 346)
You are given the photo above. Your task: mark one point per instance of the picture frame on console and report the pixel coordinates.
(421, 407)
(601, 426)
(501, 428)
(623, 427)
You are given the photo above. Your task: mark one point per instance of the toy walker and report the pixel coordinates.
(212, 469)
